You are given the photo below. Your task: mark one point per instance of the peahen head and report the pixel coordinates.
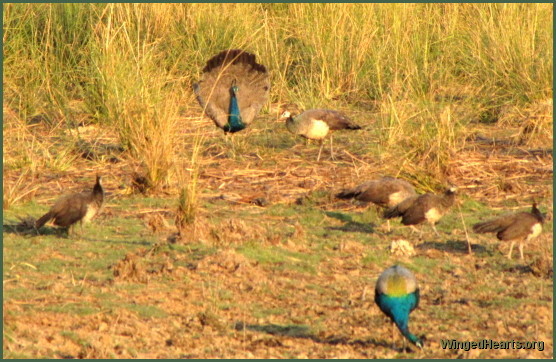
(286, 114)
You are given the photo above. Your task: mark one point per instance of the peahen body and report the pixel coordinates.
(233, 88)
(315, 124)
(384, 192)
(418, 209)
(397, 295)
(522, 226)
(79, 207)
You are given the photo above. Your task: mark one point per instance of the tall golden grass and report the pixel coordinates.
(426, 70)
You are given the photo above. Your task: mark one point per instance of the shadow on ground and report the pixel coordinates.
(453, 246)
(22, 230)
(350, 225)
(303, 331)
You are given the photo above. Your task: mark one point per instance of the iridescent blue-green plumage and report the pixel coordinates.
(397, 295)
(235, 123)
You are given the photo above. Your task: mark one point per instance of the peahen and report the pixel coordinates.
(522, 226)
(233, 88)
(423, 208)
(397, 295)
(70, 209)
(384, 192)
(315, 124)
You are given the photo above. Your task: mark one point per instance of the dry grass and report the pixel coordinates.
(268, 263)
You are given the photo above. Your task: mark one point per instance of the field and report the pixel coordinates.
(211, 246)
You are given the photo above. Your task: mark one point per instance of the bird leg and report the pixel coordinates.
(414, 229)
(511, 249)
(331, 150)
(393, 336)
(320, 149)
(434, 228)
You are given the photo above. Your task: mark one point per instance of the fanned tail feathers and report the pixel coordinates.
(227, 67)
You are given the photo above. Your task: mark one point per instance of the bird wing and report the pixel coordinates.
(407, 204)
(254, 89)
(497, 225)
(357, 192)
(70, 209)
(336, 120)
(401, 208)
(520, 228)
(214, 98)
(416, 212)
(377, 192)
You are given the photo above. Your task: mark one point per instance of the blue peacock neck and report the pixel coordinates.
(235, 123)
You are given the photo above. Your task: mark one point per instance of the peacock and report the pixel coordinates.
(423, 208)
(315, 124)
(233, 88)
(397, 295)
(79, 207)
(522, 226)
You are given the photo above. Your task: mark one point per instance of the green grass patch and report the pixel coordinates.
(280, 258)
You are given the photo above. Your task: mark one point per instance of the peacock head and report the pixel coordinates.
(234, 89)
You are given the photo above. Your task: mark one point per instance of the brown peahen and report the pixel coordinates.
(522, 227)
(70, 209)
(384, 192)
(423, 208)
(315, 124)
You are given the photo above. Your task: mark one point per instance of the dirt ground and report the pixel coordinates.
(200, 301)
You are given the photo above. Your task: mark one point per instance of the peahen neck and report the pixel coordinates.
(235, 123)
(98, 190)
(292, 125)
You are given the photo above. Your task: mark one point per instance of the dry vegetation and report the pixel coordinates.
(267, 264)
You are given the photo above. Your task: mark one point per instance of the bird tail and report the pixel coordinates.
(353, 126)
(43, 220)
(392, 213)
(347, 194)
(487, 227)
(233, 56)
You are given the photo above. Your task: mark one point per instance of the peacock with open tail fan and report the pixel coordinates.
(233, 88)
